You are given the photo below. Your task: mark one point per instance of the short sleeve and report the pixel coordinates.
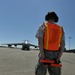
(40, 31)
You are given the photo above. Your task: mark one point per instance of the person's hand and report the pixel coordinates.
(58, 61)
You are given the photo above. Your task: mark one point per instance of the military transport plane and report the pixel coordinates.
(25, 45)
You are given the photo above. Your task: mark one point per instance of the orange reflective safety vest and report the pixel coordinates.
(52, 36)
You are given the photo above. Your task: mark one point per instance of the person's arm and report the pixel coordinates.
(62, 46)
(40, 43)
(39, 36)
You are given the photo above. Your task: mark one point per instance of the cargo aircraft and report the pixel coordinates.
(25, 45)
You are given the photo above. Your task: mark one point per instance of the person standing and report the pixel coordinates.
(51, 41)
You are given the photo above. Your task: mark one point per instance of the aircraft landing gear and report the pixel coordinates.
(26, 48)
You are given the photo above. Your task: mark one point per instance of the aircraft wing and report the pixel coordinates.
(19, 44)
(33, 45)
(25, 45)
(12, 44)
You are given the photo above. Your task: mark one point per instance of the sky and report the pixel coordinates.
(20, 19)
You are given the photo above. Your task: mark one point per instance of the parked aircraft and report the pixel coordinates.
(25, 45)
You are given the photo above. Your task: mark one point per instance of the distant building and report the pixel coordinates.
(70, 51)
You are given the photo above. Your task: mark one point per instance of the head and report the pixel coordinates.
(51, 16)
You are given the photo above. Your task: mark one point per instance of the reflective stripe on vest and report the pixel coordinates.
(52, 36)
(47, 36)
(60, 35)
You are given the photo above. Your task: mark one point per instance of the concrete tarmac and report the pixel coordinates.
(18, 62)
